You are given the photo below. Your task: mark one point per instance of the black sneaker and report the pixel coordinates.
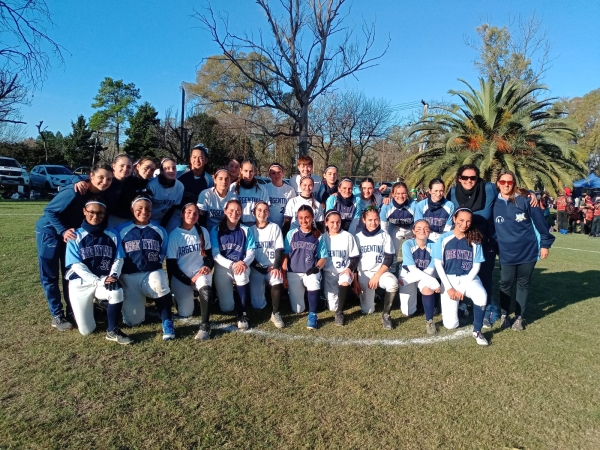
(506, 322)
(203, 333)
(61, 323)
(518, 324)
(338, 319)
(242, 322)
(119, 337)
(386, 320)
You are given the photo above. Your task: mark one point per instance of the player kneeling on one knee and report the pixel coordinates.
(94, 259)
(305, 256)
(189, 263)
(338, 272)
(266, 267)
(145, 247)
(418, 272)
(458, 256)
(376, 256)
(233, 250)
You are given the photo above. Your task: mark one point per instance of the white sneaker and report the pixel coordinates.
(242, 323)
(277, 320)
(480, 338)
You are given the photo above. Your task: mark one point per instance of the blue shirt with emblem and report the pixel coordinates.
(304, 250)
(145, 247)
(457, 255)
(439, 218)
(97, 252)
(398, 216)
(413, 255)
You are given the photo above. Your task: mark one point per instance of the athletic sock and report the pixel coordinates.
(204, 298)
(113, 312)
(428, 305)
(313, 301)
(478, 313)
(276, 296)
(163, 304)
(343, 294)
(242, 303)
(388, 299)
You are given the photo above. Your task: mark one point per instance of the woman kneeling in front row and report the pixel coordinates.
(458, 256)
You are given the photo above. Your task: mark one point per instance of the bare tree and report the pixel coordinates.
(25, 53)
(302, 59)
(325, 130)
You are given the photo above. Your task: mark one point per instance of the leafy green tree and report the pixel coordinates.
(497, 128)
(79, 145)
(143, 132)
(115, 102)
(585, 111)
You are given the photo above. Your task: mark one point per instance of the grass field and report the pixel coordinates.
(537, 389)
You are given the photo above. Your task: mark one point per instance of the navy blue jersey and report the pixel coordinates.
(304, 250)
(520, 231)
(145, 247)
(131, 187)
(413, 255)
(348, 212)
(457, 255)
(399, 216)
(193, 185)
(231, 246)
(97, 252)
(439, 218)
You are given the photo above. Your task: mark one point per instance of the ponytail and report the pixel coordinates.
(239, 180)
(373, 199)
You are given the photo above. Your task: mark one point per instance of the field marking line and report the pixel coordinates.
(41, 213)
(576, 249)
(334, 341)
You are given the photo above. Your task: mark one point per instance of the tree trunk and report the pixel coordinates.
(117, 136)
(303, 132)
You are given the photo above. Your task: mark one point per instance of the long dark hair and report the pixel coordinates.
(437, 181)
(315, 232)
(513, 193)
(400, 184)
(223, 221)
(312, 198)
(369, 180)
(239, 180)
(198, 228)
(472, 234)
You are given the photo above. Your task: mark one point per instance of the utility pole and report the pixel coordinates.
(41, 132)
(182, 114)
(425, 106)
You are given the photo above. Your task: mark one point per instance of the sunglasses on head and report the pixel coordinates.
(508, 182)
(465, 178)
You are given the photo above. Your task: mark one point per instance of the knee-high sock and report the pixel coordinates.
(163, 304)
(342, 298)
(388, 299)
(244, 293)
(313, 301)
(276, 297)
(428, 305)
(478, 312)
(204, 297)
(113, 312)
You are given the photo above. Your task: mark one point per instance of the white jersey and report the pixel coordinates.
(185, 247)
(373, 249)
(340, 248)
(249, 198)
(294, 204)
(279, 197)
(295, 183)
(211, 204)
(267, 240)
(164, 198)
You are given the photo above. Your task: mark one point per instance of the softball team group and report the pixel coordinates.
(107, 238)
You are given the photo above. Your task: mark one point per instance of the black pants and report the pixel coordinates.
(487, 267)
(521, 273)
(562, 220)
(595, 226)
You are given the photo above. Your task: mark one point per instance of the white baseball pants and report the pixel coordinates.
(184, 294)
(138, 286)
(297, 283)
(223, 279)
(332, 281)
(474, 290)
(82, 301)
(258, 281)
(387, 281)
(408, 292)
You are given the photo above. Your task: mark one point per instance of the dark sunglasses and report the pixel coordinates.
(503, 182)
(464, 178)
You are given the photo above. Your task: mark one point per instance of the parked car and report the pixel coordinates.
(263, 180)
(388, 189)
(12, 174)
(80, 174)
(50, 177)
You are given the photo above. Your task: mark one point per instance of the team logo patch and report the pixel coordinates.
(499, 219)
(520, 217)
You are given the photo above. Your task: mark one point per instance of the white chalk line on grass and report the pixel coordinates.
(38, 214)
(576, 249)
(335, 341)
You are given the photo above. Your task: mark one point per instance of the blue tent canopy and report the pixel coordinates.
(593, 181)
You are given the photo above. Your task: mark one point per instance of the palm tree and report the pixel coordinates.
(496, 128)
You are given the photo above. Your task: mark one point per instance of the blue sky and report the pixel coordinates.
(157, 45)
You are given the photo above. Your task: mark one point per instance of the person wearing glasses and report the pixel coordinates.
(376, 256)
(94, 261)
(523, 238)
(62, 216)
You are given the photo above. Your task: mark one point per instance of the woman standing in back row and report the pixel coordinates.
(523, 238)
